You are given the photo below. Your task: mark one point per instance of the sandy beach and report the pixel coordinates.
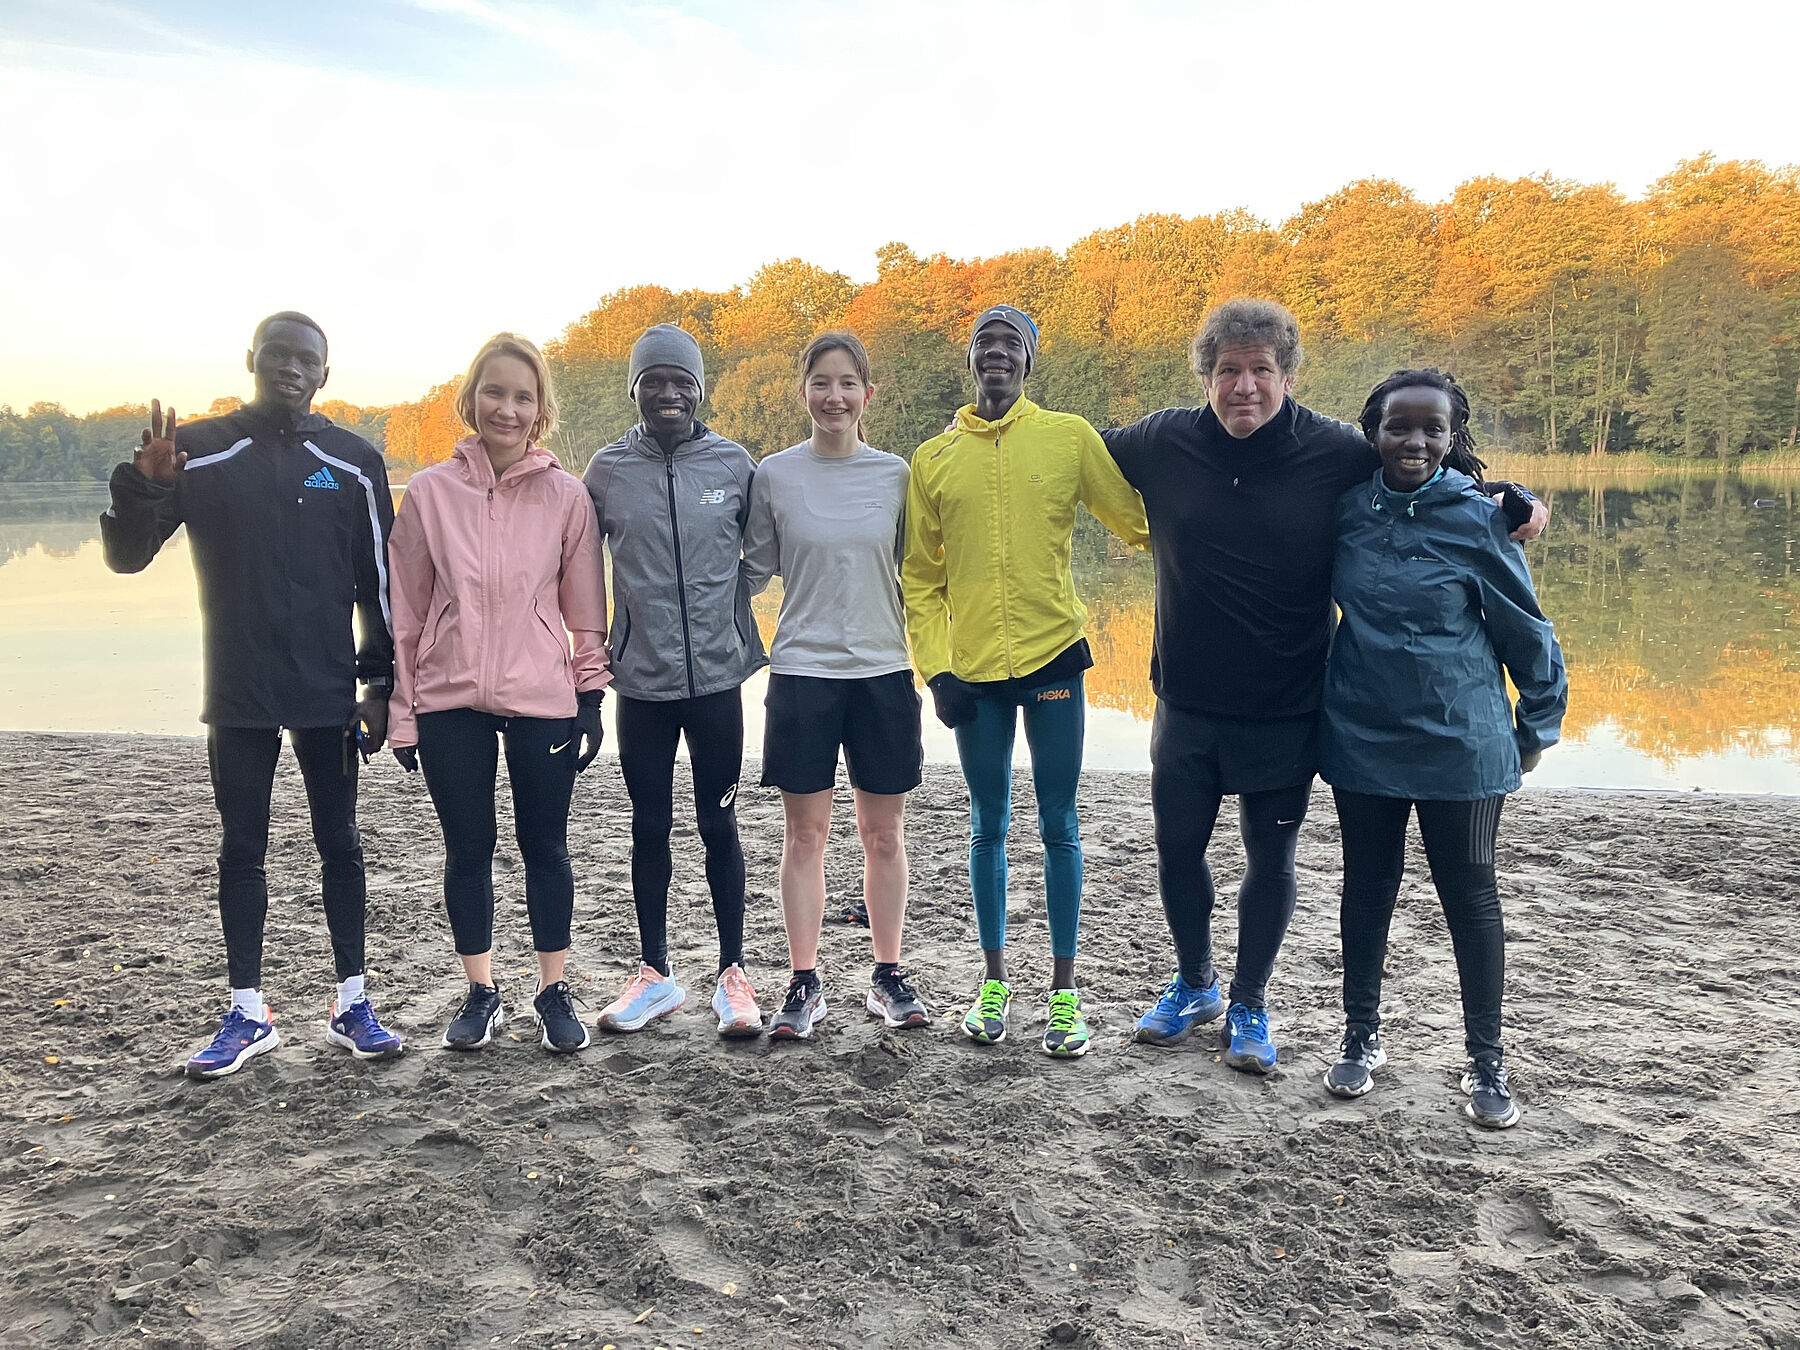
(877, 1188)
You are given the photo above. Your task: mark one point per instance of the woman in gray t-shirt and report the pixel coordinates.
(826, 516)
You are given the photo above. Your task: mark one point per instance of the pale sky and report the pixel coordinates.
(417, 174)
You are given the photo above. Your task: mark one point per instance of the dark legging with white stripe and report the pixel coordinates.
(1459, 845)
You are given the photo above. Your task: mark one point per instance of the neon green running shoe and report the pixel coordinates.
(1067, 1035)
(986, 1018)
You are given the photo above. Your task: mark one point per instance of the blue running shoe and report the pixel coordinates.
(1248, 1044)
(240, 1039)
(648, 994)
(1181, 1008)
(359, 1031)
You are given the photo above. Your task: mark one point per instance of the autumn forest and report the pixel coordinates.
(1582, 321)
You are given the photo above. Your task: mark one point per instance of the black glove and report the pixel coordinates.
(955, 700)
(408, 755)
(587, 726)
(1515, 504)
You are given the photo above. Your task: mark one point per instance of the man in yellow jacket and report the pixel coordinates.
(996, 626)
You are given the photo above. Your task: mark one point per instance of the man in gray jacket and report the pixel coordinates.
(672, 498)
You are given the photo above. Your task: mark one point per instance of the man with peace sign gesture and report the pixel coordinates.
(288, 519)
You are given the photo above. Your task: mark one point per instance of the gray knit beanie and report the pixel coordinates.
(1017, 320)
(666, 345)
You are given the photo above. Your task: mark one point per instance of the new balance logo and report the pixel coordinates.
(713, 497)
(322, 479)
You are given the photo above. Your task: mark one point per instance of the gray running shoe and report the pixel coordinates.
(1490, 1097)
(893, 1000)
(1354, 1073)
(801, 1011)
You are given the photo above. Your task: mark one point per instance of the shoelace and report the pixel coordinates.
(235, 1026)
(1254, 1021)
(894, 984)
(1357, 1045)
(362, 1012)
(1063, 1012)
(562, 999)
(1490, 1076)
(797, 993)
(992, 1002)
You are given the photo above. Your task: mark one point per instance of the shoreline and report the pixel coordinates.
(892, 1188)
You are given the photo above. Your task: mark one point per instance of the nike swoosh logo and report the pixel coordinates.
(1287, 822)
(558, 749)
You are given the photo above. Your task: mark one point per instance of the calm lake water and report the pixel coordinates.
(1678, 605)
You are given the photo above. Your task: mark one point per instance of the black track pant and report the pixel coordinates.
(1459, 845)
(1270, 825)
(459, 750)
(242, 764)
(648, 733)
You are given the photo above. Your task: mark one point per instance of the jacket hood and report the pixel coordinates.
(479, 469)
(968, 420)
(639, 441)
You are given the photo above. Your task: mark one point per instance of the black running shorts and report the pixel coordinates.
(875, 720)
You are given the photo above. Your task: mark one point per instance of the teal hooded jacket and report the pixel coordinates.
(1437, 609)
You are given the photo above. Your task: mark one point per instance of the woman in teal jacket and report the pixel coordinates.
(1438, 608)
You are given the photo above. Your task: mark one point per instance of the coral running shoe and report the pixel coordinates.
(734, 1000)
(986, 1019)
(1181, 1008)
(359, 1031)
(240, 1039)
(647, 995)
(1248, 1044)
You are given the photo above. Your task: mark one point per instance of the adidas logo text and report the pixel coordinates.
(322, 479)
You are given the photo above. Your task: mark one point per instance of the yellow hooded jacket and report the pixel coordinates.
(990, 511)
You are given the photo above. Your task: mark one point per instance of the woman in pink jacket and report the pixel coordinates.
(494, 555)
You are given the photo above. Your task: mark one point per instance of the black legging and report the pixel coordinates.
(1459, 845)
(1270, 825)
(648, 732)
(459, 752)
(242, 765)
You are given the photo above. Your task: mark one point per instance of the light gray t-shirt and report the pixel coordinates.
(832, 529)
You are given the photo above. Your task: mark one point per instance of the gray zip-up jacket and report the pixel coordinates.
(674, 523)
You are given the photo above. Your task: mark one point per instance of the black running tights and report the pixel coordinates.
(1270, 825)
(242, 765)
(459, 750)
(1459, 845)
(648, 733)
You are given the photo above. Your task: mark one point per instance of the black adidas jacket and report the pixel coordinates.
(288, 521)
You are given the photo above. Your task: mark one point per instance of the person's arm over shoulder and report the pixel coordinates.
(1134, 447)
(925, 572)
(1105, 491)
(411, 581)
(1523, 639)
(762, 543)
(581, 591)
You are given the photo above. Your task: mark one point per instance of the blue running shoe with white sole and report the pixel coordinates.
(240, 1039)
(647, 995)
(359, 1031)
(1181, 1008)
(1248, 1044)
